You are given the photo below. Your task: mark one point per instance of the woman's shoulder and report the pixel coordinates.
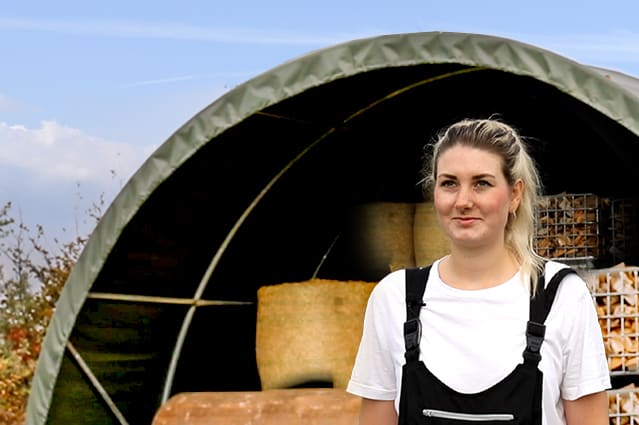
(392, 282)
(551, 267)
(388, 295)
(573, 285)
(397, 278)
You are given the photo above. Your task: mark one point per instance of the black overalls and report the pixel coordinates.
(516, 399)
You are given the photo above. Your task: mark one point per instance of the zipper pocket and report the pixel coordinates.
(470, 417)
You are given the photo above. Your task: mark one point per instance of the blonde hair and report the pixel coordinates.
(499, 138)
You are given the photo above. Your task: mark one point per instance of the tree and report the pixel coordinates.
(27, 301)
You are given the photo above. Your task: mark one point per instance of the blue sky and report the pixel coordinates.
(89, 89)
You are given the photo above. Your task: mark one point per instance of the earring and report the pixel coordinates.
(514, 213)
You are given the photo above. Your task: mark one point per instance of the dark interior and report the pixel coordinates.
(370, 131)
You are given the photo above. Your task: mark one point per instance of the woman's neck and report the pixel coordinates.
(478, 269)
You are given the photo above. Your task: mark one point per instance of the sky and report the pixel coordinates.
(89, 89)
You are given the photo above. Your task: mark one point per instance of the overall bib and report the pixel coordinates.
(516, 399)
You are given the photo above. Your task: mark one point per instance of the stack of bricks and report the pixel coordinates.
(307, 406)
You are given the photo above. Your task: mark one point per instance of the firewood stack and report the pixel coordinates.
(623, 405)
(615, 292)
(616, 295)
(569, 226)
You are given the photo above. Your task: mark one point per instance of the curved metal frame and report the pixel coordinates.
(231, 234)
(585, 84)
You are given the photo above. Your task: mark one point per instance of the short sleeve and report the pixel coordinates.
(374, 373)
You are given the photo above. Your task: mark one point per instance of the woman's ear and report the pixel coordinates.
(517, 193)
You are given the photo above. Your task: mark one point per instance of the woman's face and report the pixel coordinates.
(472, 197)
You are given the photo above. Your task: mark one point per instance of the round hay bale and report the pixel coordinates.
(309, 331)
(384, 236)
(428, 238)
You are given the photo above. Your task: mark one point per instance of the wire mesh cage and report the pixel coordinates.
(623, 229)
(569, 227)
(623, 405)
(616, 295)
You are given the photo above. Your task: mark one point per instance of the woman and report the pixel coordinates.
(476, 346)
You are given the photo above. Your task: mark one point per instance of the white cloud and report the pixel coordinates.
(169, 31)
(159, 81)
(55, 152)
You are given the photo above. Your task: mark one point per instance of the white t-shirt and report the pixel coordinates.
(471, 339)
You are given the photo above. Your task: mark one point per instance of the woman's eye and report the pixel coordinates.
(447, 183)
(483, 183)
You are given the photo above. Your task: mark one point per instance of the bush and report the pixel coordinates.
(27, 301)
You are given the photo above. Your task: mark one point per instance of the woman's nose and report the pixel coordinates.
(464, 197)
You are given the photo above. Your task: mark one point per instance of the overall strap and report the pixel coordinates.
(416, 279)
(540, 305)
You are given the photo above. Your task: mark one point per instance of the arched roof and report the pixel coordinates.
(254, 189)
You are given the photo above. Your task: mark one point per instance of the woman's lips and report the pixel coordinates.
(465, 220)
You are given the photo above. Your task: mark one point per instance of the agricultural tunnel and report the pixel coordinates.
(256, 189)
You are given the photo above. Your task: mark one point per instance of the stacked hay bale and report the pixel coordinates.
(387, 236)
(309, 331)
